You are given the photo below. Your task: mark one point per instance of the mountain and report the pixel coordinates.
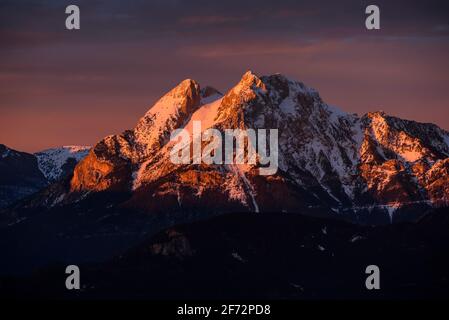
(370, 169)
(115, 159)
(23, 174)
(373, 169)
(56, 163)
(19, 175)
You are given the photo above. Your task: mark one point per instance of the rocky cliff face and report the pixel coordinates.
(398, 161)
(110, 163)
(372, 169)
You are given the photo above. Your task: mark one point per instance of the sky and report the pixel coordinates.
(73, 87)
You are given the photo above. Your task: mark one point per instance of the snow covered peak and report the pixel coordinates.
(170, 112)
(410, 140)
(330, 157)
(186, 92)
(376, 114)
(57, 162)
(248, 82)
(77, 151)
(249, 78)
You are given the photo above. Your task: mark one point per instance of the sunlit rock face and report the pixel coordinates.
(110, 163)
(370, 169)
(399, 159)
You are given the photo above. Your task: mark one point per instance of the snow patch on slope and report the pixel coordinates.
(155, 126)
(335, 113)
(51, 161)
(206, 114)
(250, 188)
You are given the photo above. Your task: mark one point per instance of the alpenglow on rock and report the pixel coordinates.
(370, 169)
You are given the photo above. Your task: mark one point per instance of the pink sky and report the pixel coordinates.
(59, 88)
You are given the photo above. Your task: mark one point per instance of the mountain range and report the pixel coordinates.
(373, 169)
(370, 169)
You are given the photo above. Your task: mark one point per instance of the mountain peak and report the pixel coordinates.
(167, 114)
(375, 114)
(249, 79)
(249, 74)
(187, 85)
(346, 161)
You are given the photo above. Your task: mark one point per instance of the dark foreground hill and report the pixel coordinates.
(264, 256)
